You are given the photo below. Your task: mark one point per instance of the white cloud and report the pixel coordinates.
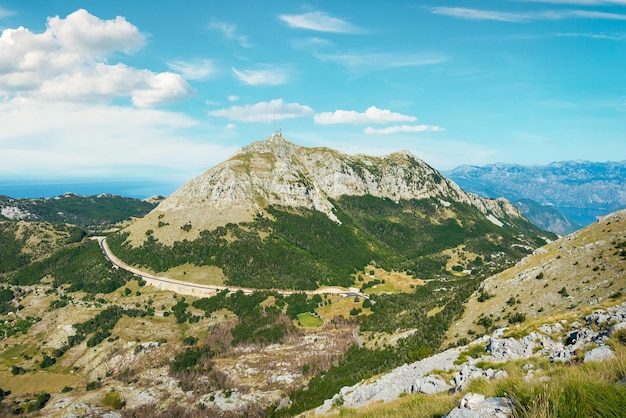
(371, 115)
(580, 2)
(87, 34)
(364, 62)
(402, 128)
(310, 43)
(230, 126)
(233, 98)
(321, 22)
(589, 35)
(194, 70)
(5, 12)
(71, 140)
(229, 31)
(521, 17)
(264, 111)
(267, 76)
(67, 62)
(161, 88)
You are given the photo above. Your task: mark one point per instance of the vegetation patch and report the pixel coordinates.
(309, 320)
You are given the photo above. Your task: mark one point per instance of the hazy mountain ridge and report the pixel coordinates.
(581, 190)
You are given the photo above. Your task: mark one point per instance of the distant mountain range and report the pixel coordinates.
(559, 197)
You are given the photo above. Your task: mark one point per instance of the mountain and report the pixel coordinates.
(98, 212)
(580, 190)
(546, 217)
(585, 268)
(80, 337)
(324, 215)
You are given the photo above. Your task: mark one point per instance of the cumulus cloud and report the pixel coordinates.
(320, 22)
(264, 111)
(402, 128)
(267, 76)
(371, 115)
(233, 98)
(68, 62)
(200, 69)
(87, 34)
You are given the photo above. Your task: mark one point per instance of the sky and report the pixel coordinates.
(146, 95)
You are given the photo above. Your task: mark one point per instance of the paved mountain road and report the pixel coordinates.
(200, 290)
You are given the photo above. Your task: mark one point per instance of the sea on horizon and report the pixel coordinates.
(138, 190)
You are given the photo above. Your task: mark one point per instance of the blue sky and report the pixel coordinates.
(160, 91)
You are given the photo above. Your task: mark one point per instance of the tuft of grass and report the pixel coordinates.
(474, 351)
(113, 400)
(580, 390)
(414, 406)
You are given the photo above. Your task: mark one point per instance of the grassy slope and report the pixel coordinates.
(303, 249)
(589, 265)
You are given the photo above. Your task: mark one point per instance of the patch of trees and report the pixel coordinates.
(195, 371)
(82, 266)
(6, 297)
(11, 250)
(99, 327)
(256, 324)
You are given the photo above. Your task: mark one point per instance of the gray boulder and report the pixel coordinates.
(475, 405)
(601, 353)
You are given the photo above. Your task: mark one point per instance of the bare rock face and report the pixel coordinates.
(277, 172)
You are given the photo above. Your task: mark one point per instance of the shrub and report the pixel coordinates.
(113, 400)
(47, 361)
(517, 317)
(93, 385)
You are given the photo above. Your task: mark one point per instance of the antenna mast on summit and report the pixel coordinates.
(279, 131)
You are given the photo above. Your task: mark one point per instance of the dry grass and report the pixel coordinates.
(584, 264)
(37, 382)
(339, 306)
(207, 275)
(413, 406)
(395, 281)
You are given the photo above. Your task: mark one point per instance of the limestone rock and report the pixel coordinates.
(475, 405)
(601, 353)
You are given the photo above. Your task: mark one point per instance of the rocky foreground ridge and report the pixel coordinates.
(562, 341)
(275, 171)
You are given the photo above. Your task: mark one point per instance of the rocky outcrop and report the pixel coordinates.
(561, 341)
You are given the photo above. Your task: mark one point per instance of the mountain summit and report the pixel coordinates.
(276, 172)
(278, 215)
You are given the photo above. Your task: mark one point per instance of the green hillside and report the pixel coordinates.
(303, 249)
(93, 212)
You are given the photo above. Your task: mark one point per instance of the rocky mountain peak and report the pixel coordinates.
(275, 171)
(275, 144)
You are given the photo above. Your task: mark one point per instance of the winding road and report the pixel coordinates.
(201, 290)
